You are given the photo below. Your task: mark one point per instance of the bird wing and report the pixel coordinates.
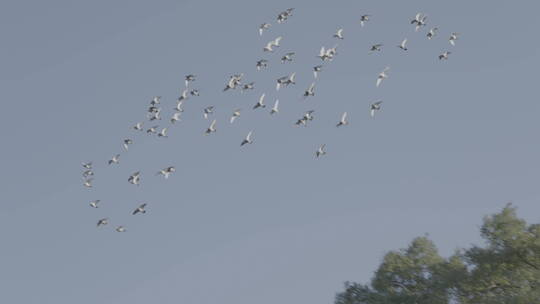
(248, 137)
(213, 124)
(344, 116)
(261, 99)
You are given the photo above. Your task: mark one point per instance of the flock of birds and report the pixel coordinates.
(235, 82)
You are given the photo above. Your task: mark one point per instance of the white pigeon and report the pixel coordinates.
(234, 82)
(444, 55)
(103, 222)
(285, 81)
(135, 178)
(320, 152)
(179, 105)
(403, 44)
(260, 103)
(432, 32)
(94, 204)
(364, 19)
(419, 20)
(155, 100)
(453, 38)
(207, 111)
(322, 54)
(382, 76)
(263, 27)
(235, 115)
(310, 91)
(138, 126)
(140, 209)
(176, 117)
(184, 95)
(275, 108)
(343, 121)
(270, 44)
(163, 133)
(248, 86)
(152, 130)
(87, 165)
(284, 15)
(115, 159)
(120, 229)
(376, 106)
(166, 172)
(287, 57)
(127, 142)
(190, 78)
(247, 140)
(88, 173)
(88, 182)
(211, 128)
(316, 70)
(261, 64)
(339, 34)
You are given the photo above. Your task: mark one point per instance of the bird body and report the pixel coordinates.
(376, 106)
(343, 121)
(211, 128)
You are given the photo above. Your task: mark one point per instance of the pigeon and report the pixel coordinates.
(376, 48)
(194, 92)
(316, 70)
(103, 222)
(87, 165)
(152, 130)
(310, 91)
(163, 133)
(320, 152)
(444, 55)
(285, 81)
(419, 20)
(190, 78)
(323, 55)
(260, 103)
(453, 38)
(178, 107)
(261, 64)
(339, 34)
(343, 121)
(115, 159)
(155, 100)
(94, 204)
(270, 44)
(120, 229)
(88, 182)
(135, 178)
(235, 115)
(155, 115)
(166, 172)
(175, 117)
(284, 15)
(211, 128)
(138, 126)
(139, 209)
(207, 111)
(376, 106)
(153, 109)
(247, 140)
(233, 82)
(382, 76)
(275, 108)
(127, 142)
(331, 52)
(287, 57)
(432, 32)
(403, 44)
(263, 27)
(248, 86)
(307, 117)
(88, 173)
(184, 95)
(364, 19)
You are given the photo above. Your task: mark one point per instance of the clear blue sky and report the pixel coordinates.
(265, 224)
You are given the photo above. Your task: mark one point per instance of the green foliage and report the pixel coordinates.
(506, 270)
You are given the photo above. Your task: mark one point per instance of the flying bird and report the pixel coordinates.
(260, 103)
(88, 173)
(453, 38)
(376, 106)
(139, 209)
(87, 165)
(175, 117)
(166, 172)
(310, 91)
(194, 92)
(190, 78)
(382, 76)
(235, 115)
(261, 64)
(120, 229)
(135, 178)
(287, 57)
(343, 121)
(263, 27)
(376, 48)
(444, 55)
(275, 108)
(321, 151)
(285, 81)
(419, 20)
(184, 95)
(207, 111)
(272, 43)
(127, 142)
(179, 105)
(155, 100)
(138, 126)
(103, 222)
(282, 17)
(94, 204)
(152, 130)
(163, 133)
(88, 182)
(248, 86)
(364, 19)
(316, 70)
(403, 44)
(115, 159)
(432, 32)
(247, 140)
(211, 128)
(339, 34)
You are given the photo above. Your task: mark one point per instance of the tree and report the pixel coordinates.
(506, 270)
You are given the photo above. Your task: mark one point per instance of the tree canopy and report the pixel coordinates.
(505, 270)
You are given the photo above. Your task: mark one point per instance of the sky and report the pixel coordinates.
(455, 141)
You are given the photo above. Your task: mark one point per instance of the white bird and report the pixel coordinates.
(139, 209)
(155, 100)
(194, 92)
(432, 32)
(270, 44)
(176, 117)
(152, 130)
(310, 91)
(453, 38)
(339, 34)
(179, 105)
(166, 172)
(444, 55)
(382, 76)
(287, 57)
(316, 70)
(247, 140)
(120, 229)
(284, 15)
(261, 64)
(127, 142)
(233, 82)
(285, 81)
(322, 54)
(307, 117)
(138, 126)
(103, 222)
(260, 103)
(343, 121)
(403, 44)
(235, 115)
(162, 133)
(211, 128)
(88, 182)
(115, 159)
(190, 78)
(135, 178)
(376, 106)
(207, 111)
(87, 165)
(155, 115)
(263, 27)
(184, 95)
(364, 19)
(419, 20)
(331, 52)
(88, 173)
(320, 152)
(275, 108)
(94, 204)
